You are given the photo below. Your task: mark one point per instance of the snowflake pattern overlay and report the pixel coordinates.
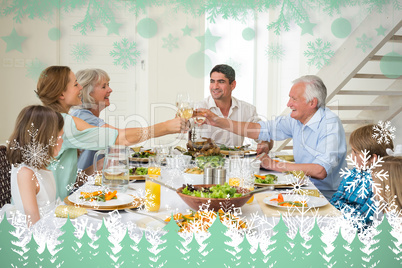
(34, 69)
(383, 132)
(364, 42)
(80, 52)
(318, 53)
(275, 52)
(363, 178)
(33, 154)
(170, 42)
(125, 53)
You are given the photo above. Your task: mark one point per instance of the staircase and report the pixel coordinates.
(357, 90)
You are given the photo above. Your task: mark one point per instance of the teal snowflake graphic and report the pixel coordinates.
(275, 52)
(170, 42)
(80, 52)
(364, 42)
(34, 69)
(125, 53)
(237, 66)
(318, 53)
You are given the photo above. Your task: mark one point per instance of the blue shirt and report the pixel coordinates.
(321, 141)
(87, 156)
(355, 196)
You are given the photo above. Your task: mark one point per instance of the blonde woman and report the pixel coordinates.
(58, 89)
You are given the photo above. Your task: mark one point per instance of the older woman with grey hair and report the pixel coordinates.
(95, 98)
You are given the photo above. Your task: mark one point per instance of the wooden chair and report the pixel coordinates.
(5, 185)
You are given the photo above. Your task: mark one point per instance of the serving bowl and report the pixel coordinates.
(193, 178)
(214, 203)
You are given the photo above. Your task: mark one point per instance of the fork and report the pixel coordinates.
(135, 211)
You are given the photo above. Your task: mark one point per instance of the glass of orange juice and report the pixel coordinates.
(153, 189)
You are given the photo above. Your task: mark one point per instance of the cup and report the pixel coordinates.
(255, 166)
(153, 189)
(115, 167)
(152, 193)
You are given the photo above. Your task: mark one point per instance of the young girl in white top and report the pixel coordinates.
(35, 141)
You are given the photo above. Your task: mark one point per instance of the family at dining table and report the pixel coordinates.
(319, 143)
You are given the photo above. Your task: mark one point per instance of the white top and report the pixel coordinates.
(239, 111)
(46, 196)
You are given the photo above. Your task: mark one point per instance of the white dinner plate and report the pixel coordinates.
(123, 201)
(312, 201)
(283, 180)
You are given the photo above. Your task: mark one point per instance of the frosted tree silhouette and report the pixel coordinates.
(385, 249)
(103, 251)
(31, 254)
(128, 252)
(219, 253)
(298, 250)
(316, 249)
(145, 257)
(340, 254)
(356, 254)
(86, 251)
(193, 255)
(8, 250)
(281, 246)
(244, 255)
(67, 250)
(171, 254)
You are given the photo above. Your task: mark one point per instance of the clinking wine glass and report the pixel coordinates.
(180, 98)
(186, 110)
(199, 119)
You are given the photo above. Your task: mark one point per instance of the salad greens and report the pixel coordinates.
(217, 191)
(266, 179)
(144, 154)
(235, 148)
(211, 160)
(138, 171)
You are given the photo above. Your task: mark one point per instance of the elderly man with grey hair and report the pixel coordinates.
(319, 143)
(95, 98)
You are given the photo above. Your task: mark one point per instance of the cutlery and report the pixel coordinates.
(263, 189)
(135, 211)
(163, 184)
(258, 157)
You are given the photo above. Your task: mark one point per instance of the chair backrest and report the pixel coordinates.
(5, 184)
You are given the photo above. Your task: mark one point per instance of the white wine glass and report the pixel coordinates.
(181, 98)
(199, 119)
(186, 110)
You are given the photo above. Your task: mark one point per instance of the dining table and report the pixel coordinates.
(260, 217)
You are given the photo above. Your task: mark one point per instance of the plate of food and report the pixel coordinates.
(294, 201)
(203, 219)
(142, 157)
(138, 173)
(225, 150)
(277, 180)
(103, 200)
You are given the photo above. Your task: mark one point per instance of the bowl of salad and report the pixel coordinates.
(216, 195)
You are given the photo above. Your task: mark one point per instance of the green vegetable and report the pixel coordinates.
(141, 171)
(217, 191)
(211, 160)
(269, 179)
(145, 154)
(138, 171)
